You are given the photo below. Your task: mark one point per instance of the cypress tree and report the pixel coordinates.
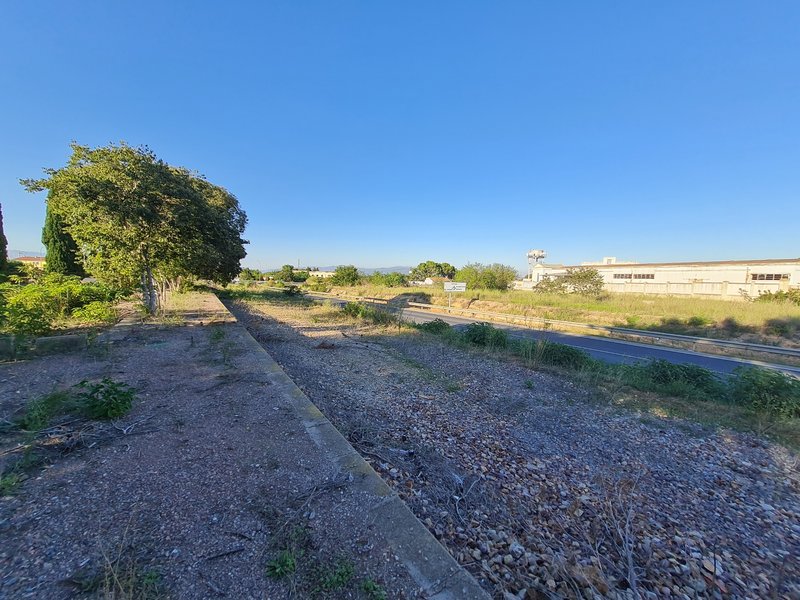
(3, 244)
(61, 248)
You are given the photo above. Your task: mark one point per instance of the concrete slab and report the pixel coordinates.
(425, 559)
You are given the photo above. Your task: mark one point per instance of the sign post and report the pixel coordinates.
(453, 286)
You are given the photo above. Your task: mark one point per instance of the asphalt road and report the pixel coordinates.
(602, 348)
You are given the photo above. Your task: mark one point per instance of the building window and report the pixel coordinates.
(644, 275)
(768, 276)
(622, 275)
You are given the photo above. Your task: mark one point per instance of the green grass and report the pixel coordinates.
(692, 316)
(106, 399)
(9, 483)
(336, 576)
(373, 590)
(282, 565)
(752, 399)
(253, 293)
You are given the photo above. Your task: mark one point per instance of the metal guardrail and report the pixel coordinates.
(657, 335)
(528, 320)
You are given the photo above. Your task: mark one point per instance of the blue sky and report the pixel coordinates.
(381, 134)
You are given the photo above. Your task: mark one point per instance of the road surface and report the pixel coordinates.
(601, 348)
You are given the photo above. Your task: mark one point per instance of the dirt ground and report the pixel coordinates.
(193, 494)
(534, 485)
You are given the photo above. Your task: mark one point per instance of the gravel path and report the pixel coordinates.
(189, 496)
(533, 485)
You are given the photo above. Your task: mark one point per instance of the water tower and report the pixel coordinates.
(534, 256)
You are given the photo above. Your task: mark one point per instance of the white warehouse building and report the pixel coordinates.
(728, 279)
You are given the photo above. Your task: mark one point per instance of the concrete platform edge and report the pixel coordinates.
(426, 560)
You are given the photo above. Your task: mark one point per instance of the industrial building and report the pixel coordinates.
(727, 279)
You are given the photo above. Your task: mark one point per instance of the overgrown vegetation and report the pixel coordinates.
(786, 297)
(369, 313)
(704, 317)
(489, 277)
(101, 400)
(764, 393)
(346, 276)
(584, 281)
(55, 300)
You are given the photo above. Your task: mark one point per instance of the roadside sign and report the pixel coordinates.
(454, 286)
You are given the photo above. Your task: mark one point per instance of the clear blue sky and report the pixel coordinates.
(387, 133)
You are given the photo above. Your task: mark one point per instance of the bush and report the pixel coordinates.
(107, 399)
(485, 334)
(95, 312)
(680, 380)
(388, 279)
(436, 327)
(561, 355)
(32, 309)
(359, 310)
(292, 290)
(766, 391)
(346, 276)
(792, 296)
(665, 373)
(585, 281)
(489, 277)
(317, 284)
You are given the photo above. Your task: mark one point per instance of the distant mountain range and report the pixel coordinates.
(12, 254)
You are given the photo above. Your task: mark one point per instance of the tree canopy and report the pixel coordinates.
(431, 268)
(3, 244)
(136, 218)
(62, 251)
(346, 276)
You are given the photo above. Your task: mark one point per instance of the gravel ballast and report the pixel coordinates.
(199, 489)
(534, 486)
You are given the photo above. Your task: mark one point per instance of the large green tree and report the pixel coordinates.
(137, 219)
(62, 251)
(3, 244)
(431, 268)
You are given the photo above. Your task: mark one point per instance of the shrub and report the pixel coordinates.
(561, 355)
(95, 312)
(292, 290)
(346, 276)
(388, 279)
(766, 391)
(317, 284)
(792, 296)
(485, 334)
(436, 327)
(664, 373)
(32, 309)
(490, 277)
(585, 281)
(359, 310)
(106, 399)
(284, 565)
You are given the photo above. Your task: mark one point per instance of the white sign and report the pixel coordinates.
(454, 286)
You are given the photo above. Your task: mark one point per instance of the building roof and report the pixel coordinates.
(29, 258)
(698, 263)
